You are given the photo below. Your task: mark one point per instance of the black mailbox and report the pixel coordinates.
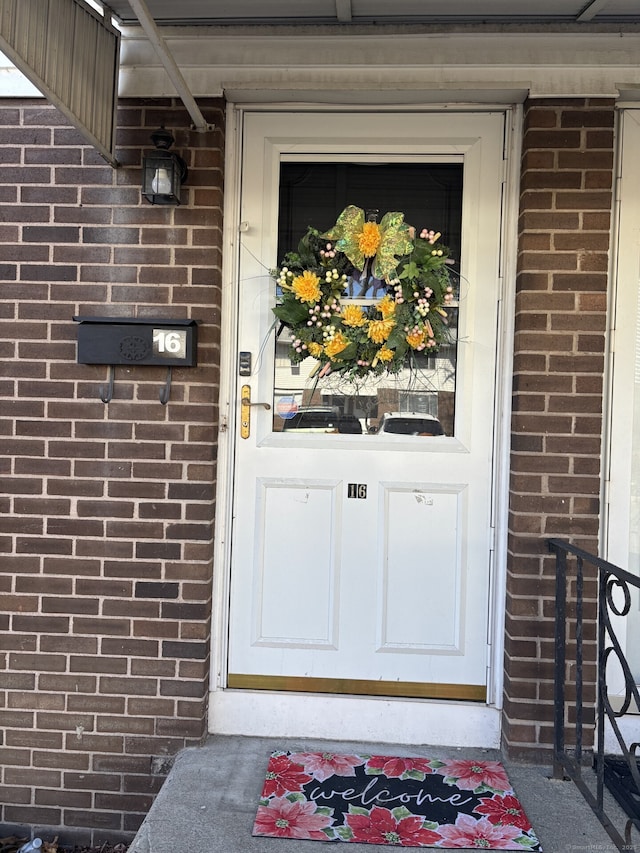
(135, 341)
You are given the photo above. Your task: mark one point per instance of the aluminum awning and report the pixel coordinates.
(71, 54)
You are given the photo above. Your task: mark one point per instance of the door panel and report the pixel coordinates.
(404, 625)
(288, 517)
(361, 562)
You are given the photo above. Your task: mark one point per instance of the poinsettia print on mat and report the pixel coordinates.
(392, 801)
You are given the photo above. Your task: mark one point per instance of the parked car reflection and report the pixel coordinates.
(409, 423)
(322, 420)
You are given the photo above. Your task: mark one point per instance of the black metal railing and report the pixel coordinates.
(583, 706)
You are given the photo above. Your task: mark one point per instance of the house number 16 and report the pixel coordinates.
(356, 490)
(170, 342)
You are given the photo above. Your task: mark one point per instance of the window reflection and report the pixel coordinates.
(390, 404)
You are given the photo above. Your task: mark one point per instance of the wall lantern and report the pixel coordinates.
(163, 171)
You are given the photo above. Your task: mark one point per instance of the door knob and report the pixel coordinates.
(245, 411)
(247, 402)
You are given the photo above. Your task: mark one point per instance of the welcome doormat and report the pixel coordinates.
(402, 802)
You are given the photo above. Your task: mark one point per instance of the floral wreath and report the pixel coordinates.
(362, 340)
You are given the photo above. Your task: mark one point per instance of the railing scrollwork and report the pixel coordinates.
(620, 774)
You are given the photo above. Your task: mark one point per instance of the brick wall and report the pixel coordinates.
(561, 307)
(105, 510)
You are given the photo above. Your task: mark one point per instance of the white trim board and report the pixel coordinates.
(267, 714)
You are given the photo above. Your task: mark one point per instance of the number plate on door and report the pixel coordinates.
(357, 490)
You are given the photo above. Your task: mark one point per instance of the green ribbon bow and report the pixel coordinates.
(395, 240)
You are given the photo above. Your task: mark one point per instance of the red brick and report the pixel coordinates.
(600, 139)
(578, 224)
(536, 200)
(552, 138)
(547, 261)
(585, 200)
(587, 118)
(598, 221)
(551, 179)
(585, 160)
(540, 117)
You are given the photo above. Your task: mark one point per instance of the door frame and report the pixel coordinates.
(479, 724)
(621, 346)
(622, 359)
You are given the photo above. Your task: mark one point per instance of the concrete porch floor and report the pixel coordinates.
(209, 801)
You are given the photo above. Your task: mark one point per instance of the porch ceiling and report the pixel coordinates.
(248, 12)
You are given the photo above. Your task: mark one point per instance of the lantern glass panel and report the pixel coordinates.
(161, 178)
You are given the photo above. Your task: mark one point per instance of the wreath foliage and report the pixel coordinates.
(411, 272)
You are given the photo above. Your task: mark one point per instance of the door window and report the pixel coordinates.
(419, 401)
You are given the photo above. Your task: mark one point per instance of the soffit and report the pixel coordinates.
(252, 12)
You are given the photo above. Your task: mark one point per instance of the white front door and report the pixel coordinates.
(361, 562)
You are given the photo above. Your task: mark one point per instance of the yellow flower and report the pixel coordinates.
(314, 349)
(336, 345)
(386, 307)
(415, 338)
(379, 330)
(369, 239)
(306, 287)
(385, 354)
(352, 316)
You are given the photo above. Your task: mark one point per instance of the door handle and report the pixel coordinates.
(245, 411)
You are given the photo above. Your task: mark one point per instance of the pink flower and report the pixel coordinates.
(322, 765)
(397, 767)
(505, 810)
(470, 775)
(471, 833)
(380, 827)
(283, 819)
(283, 776)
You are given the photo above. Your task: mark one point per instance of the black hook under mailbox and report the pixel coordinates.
(134, 341)
(107, 395)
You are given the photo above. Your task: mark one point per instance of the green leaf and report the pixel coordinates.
(291, 312)
(414, 774)
(484, 789)
(395, 338)
(525, 841)
(401, 348)
(348, 352)
(344, 832)
(401, 813)
(296, 797)
(358, 810)
(410, 271)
